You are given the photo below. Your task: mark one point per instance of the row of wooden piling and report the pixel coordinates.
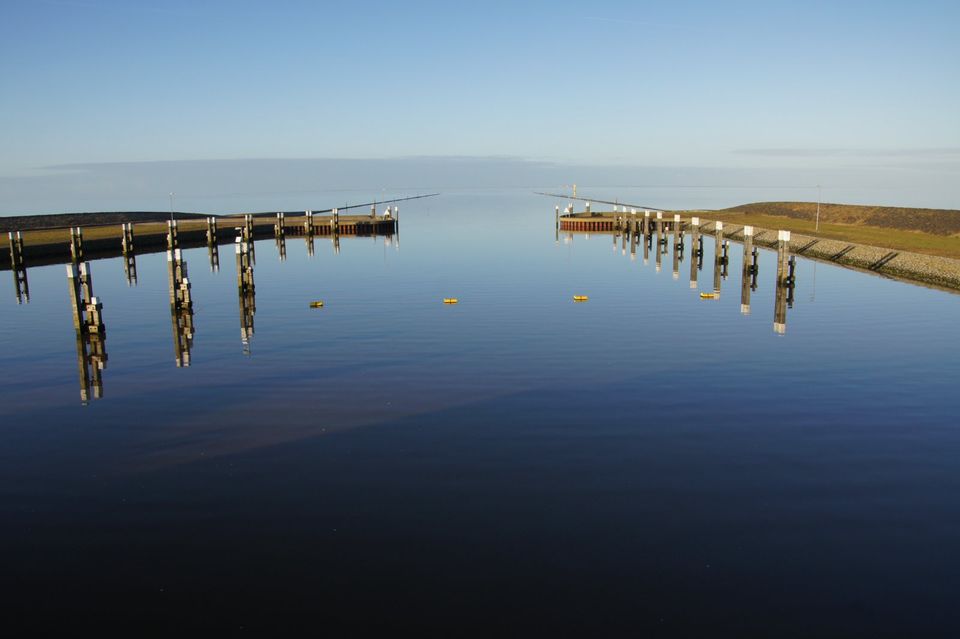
(87, 309)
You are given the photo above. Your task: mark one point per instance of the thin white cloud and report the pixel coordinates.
(787, 152)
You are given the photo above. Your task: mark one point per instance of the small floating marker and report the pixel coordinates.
(580, 298)
(451, 300)
(709, 296)
(317, 304)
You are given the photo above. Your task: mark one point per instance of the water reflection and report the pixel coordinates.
(91, 334)
(748, 275)
(644, 229)
(181, 307)
(213, 246)
(696, 251)
(18, 267)
(246, 291)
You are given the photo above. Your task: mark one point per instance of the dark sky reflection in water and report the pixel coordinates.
(645, 460)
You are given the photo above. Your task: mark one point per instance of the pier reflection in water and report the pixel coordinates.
(181, 307)
(87, 310)
(246, 291)
(654, 232)
(91, 333)
(18, 267)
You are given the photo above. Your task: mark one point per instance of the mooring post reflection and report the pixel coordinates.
(128, 253)
(748, 270)
(647, 237)
(213, 247)
(696, 251)
(785, 282)
(181, 307)
(677, 246)
(282, 246)
(634, 231)
(245, 289)
(308, 231)
(19, 267)
(624, 232)
(335, 228)
(718, 257)
(91, 334)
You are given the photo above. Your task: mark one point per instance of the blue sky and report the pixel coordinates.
(734, 85)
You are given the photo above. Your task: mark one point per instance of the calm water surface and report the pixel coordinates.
(644, 463)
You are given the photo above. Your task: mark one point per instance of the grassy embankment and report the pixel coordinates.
(929, 231)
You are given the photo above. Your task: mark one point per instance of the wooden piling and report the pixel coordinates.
(126, 241)
(173, 235)
(76, 245)
(211, 231)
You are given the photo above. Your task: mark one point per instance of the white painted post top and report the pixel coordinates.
(783, 236)
(747, 230)
(633, 211)
(676, 217)
(659, 215)
(646, 214)
(719, 225)
(695, 221)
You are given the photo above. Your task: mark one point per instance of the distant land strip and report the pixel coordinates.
(67, 220)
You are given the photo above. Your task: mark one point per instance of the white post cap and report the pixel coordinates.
(695, 221)
(783, 236)
(747, 230)
(719, 225)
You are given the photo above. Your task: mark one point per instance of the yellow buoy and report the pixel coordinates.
(317, 304)
(450, 300)
(580, 298)
(709, 296)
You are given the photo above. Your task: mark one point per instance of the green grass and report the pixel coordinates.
(886, 227)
